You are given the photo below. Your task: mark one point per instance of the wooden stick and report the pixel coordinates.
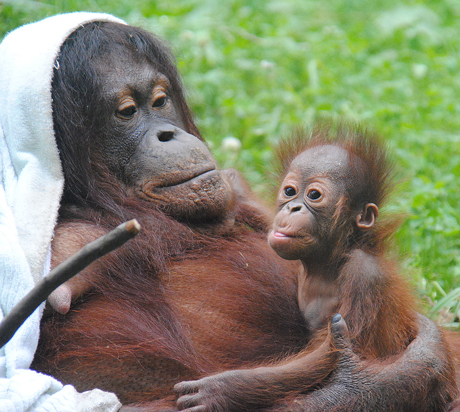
(62, 273)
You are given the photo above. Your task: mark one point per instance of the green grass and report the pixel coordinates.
(256, 68)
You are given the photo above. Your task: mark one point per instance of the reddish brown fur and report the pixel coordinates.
(381, 318)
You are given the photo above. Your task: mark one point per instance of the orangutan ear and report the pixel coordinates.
(366, 219)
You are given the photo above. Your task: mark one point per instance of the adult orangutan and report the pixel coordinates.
(199, 290)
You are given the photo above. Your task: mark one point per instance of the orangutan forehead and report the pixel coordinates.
(332, 162)
(324, 159)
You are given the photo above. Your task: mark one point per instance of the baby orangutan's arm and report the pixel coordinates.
(247, 389)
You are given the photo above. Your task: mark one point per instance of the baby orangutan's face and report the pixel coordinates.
(307, 201)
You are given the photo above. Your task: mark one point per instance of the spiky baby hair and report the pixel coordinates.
(368, 158)
(367, 154)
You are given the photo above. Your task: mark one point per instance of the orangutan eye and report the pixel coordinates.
(313, 194)
(160, 102)
(127, 112)
(290, 191)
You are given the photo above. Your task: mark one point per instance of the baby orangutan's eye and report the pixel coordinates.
(290, 191)
(314, 194)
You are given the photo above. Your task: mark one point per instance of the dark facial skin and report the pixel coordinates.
(149, 150)
(307, 201)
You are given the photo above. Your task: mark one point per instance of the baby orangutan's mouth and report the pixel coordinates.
(283, 235)
(280, 235)
(276, 237)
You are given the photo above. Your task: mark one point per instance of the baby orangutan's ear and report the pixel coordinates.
(366, 219)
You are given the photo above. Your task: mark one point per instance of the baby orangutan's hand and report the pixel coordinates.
(215, 393)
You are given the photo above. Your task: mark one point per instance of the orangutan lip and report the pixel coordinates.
(181, 182)
(281, 235)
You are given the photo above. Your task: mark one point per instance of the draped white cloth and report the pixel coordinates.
(31, 184)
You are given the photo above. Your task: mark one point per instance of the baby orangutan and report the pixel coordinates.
(334, 183)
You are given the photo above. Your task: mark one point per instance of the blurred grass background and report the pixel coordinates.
(254, 69)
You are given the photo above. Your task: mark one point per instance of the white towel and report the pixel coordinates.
(31, 187)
